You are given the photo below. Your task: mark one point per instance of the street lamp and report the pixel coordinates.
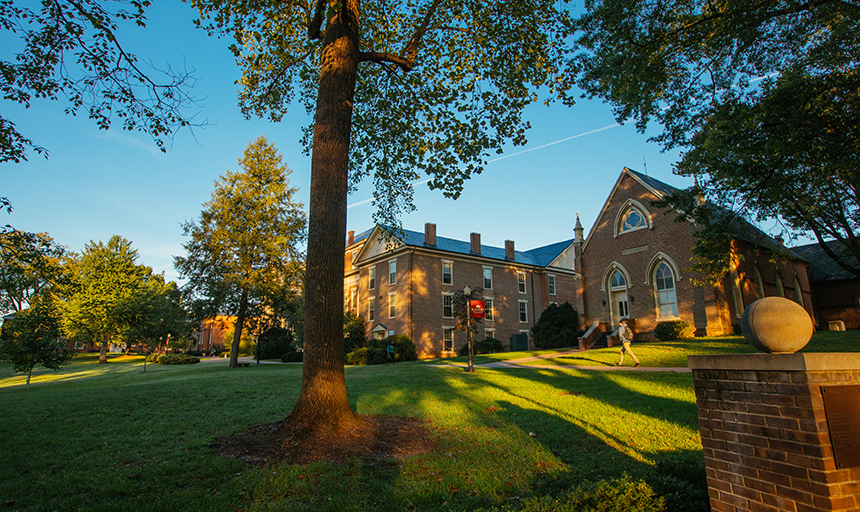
(467, 292)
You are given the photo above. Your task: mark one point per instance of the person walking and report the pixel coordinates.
(389, 353)
(626, 336)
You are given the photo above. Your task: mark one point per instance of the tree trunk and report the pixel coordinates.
(29, 373)
(103, 350)
(323, 401)
(237, 332)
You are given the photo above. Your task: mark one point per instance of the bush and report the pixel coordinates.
(353, 332)
(682, 481)
(176, 359)
(274, 343)
(487, 346)
(292, 357)
(617, 495)
(365, 356)
(674, 330)
(195, 353)
(558, 326)
(374, 352)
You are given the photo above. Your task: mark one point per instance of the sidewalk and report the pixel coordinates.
(515, 363)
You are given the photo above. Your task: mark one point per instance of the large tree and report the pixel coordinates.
(762, 96)
(398, 89)
(30, 265)
(70, 49)
(108, 295)
(243, 256)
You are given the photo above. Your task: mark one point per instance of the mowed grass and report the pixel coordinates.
(111, 437)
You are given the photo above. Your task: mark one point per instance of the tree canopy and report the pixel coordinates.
(399, 90)
(32, 337)
(244, 255)
(108, 296)
(762, 96)
(71, 49)
(31, 264)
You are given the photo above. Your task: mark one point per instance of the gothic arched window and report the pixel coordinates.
(664, 286)
(631, 220)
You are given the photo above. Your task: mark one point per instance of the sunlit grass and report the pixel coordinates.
(111, 437)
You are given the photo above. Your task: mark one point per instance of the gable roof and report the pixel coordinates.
(539, 257)
(821, 266)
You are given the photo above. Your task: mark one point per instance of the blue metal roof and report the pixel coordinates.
(541, 256)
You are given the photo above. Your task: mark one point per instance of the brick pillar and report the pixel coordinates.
(765, 433)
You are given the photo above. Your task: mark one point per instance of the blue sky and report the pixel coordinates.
(99, 183)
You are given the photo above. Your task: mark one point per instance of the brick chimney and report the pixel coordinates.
(350, 237)
(476, 243)
(430, 234)
(510, 254)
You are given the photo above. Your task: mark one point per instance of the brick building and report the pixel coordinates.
(404, 283)
(212, 330)
(633, 263)
(635, 258)
(836, 291)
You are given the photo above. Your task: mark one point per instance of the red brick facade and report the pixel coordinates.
(652, 252)
(765, 433)
(425, 274)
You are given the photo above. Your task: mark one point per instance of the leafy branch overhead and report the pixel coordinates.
(762, 97)
(70, 48)
(441, 85)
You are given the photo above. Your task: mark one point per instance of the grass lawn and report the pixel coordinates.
(111, 437)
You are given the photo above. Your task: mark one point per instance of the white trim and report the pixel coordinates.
(606, 275)
(631, 203)
(451, 274)
(447, 294)
(520, 311)
(392, 294)
(394, 261)
(655, 262)
(525, 283)
(553, 290)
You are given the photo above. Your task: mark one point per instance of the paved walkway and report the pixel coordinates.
(511, 363)
(516, 363)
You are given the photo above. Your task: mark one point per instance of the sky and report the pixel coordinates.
(96, 183)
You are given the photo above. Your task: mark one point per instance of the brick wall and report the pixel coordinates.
(765, 435)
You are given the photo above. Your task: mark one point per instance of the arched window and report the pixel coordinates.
(664, 286)
(736, 293)
(759, 285)
(798, 293)
(618, 280)
(631, 220)
(780, 289)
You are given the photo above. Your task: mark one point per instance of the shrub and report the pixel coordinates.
(558, 326)
(374, 351)
(674, 330)
(487, 346)
(293, 357)
(617, 495)
(195, 353)
(274, 343)
(682, 481)
(177, 359)
(365, 356)
(353, 332)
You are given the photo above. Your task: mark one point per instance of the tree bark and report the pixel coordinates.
(323, 401)
(237, 331)
(103, 350)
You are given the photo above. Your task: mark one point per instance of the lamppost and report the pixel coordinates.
(467, 292)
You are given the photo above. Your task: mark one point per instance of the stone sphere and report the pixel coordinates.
(776, 325)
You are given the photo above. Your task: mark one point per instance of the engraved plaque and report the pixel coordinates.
(842, 408)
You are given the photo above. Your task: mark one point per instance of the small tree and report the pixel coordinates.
(558, 326)
(33, 337)
(353, 332)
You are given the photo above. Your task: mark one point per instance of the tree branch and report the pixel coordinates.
(411, 47)
(315, 24)
(381, 57)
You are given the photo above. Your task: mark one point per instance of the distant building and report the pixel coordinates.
(836, 291)
(211, 331)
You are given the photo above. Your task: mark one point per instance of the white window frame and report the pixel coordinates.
(450, 272)
(392, 272)
(371, 279)
(490, 333)
(484, 274)
(523, 311)
(392, 305)
(550, 280)
(798, 291)
(521, 282)
(488, 310)
(449, 297)
(446, 331)
(371, 309)
(759, 284)
(658, 302)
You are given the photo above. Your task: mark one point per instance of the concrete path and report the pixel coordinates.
(516, 363)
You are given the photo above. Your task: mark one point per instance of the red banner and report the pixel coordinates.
(477, 308)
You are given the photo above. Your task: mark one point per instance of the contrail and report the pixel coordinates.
(366, 201)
